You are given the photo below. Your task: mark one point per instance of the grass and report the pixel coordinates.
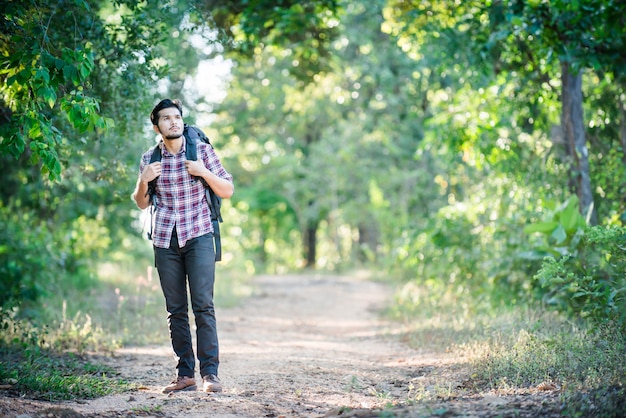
(48, 375)
(514, 347)
(587, 363)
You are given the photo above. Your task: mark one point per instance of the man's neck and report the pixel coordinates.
(173, 146)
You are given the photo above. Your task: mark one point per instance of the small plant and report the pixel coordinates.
(354, 384)
(381, 396)
(560, 232)
(590, 284)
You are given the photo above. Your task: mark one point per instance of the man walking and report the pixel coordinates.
(182, 237)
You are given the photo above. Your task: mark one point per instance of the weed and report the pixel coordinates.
(381, 396)
(149, 410)
(354, 385)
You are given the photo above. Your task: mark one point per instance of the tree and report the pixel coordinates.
(536, 39)
(587, 34)
(37, 77)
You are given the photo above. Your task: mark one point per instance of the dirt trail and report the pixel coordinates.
(304, 346)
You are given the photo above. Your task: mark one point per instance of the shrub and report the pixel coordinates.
(591, 283)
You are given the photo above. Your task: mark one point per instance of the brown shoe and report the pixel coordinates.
(211, 383)
(181, 383)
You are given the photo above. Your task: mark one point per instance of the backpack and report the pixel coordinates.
(192, 136)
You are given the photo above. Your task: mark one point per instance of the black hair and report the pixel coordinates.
(164, 104)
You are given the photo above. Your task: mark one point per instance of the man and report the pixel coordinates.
(182, 237)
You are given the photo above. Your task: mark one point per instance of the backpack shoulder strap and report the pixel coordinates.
(191, 137)
(156, 156)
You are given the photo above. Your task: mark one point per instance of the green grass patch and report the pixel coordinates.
(47, 375)
(38, 363)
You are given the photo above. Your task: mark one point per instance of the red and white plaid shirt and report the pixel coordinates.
(181, 198)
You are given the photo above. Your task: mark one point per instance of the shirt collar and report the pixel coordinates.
(164, 150)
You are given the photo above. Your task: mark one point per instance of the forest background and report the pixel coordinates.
(469, 152)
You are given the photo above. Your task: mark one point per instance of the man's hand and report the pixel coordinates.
(223, 188)
(150, 172)
(196, 168)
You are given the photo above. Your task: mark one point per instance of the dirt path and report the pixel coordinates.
(304, 346)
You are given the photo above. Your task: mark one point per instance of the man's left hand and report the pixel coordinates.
(196, 168)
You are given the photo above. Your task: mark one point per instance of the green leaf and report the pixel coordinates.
(559, 234)
(48, 95)
(42, 74)
(543, 227)
(517, 21)
(570, 217)
(71, 74)
(35, 130)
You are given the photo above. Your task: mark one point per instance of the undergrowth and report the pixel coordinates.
(588, 365)
(31, 367)
(519, 348)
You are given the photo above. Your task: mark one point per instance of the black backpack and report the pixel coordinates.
(192, 136)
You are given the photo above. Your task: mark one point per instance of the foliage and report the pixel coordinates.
(560, 232)
(304, 28)
(24, 258)
(587, 33)
(590, 282)
(582, 267)
(31, 258)
(37, 77)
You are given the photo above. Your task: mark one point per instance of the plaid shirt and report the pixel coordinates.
(181, 198)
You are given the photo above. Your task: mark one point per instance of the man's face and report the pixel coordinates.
(170, 123)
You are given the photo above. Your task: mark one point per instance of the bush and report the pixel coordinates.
(39, 256)
(589, 283)
(24, 258)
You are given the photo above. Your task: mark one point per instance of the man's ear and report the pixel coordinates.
(156, 129)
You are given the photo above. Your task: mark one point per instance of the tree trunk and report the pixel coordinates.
(310, 244)
(575, 140)
(622, 127)
(369, 237)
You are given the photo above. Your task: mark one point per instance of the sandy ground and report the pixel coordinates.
(303, 346)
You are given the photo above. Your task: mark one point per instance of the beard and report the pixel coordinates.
(172, 137)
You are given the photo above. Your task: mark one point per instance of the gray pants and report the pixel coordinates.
(194, 263)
